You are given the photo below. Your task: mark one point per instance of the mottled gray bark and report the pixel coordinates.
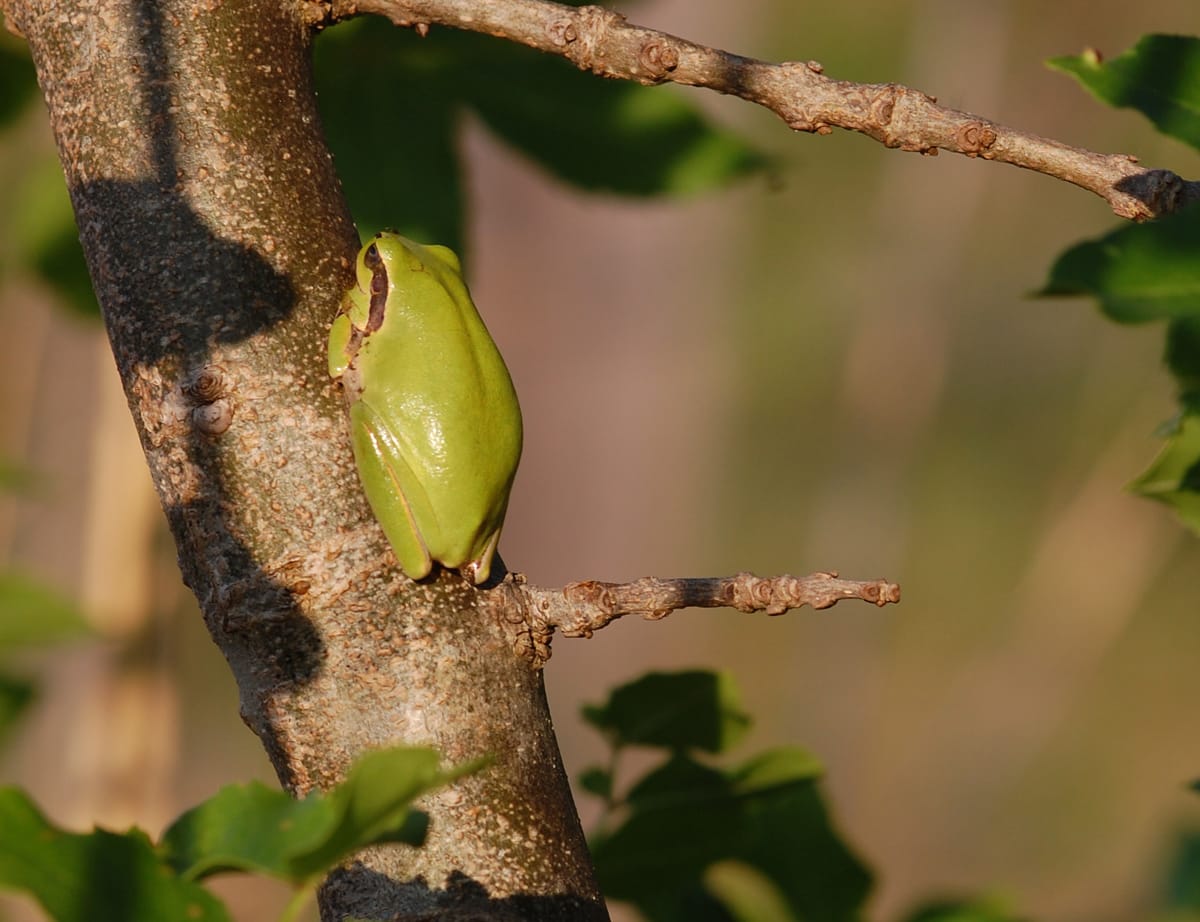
(218, 245)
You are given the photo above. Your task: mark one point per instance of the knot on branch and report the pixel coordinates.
(776, 595)
(883, 106)
(658, 58)
(206, 391)
(580, 609)
(581, 35)
(799, 81)
(975, 138)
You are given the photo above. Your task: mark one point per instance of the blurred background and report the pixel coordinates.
(836, 366)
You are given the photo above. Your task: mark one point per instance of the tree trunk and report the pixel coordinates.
(219, 245)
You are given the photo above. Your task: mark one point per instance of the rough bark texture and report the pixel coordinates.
(219, 245)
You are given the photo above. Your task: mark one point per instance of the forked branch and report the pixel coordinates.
(602, 41)
(580, 609)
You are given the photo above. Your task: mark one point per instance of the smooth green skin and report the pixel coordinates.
(435, 422)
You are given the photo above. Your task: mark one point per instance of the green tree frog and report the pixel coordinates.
(435, 422)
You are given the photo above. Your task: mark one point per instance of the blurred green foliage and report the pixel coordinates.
(31, 615)
(18, 82)
(691, 841)
(749, 842)
(1150, 272)
(753, 843)
(124, 877)
(393, 103)
(40, 228)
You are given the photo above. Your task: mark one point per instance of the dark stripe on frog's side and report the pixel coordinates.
(379, 288)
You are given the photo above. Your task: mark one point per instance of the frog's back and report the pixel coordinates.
(450, 400)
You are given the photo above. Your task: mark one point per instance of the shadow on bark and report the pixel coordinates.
(198, 295)
(360, 893)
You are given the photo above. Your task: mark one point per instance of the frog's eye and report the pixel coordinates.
(371, 257)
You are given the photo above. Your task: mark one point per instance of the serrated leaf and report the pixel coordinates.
(1174, 476)
(255, 828)
(768, 814)
(32, 614)
(605, 135)
(682, 710)
(1140, 272)
(1159, 77)
(96, 877)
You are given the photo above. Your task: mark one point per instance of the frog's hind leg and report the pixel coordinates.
(397, 497)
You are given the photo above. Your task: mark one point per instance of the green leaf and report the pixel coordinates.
(392, 122)
(31, 614)
(43, 223)
(61, 264)
(683, 818)
(255, 828)
(682, 710)
(18, 80)
(789, 836)
(783, 766)
(768, 814)
(15, 696)
(1159, 77)
(747, 894)
(392, 102)
(1139, 272)
(604, 135)
(1182, 888)
(597, 781)
(1174, 476)
(98, 877)
(1182, 353)
(680, 780)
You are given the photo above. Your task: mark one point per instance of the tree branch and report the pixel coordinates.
(219, 247)
(602, 41)
(580, 609)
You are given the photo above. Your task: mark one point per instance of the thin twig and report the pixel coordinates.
(602, 41)
(580, 609)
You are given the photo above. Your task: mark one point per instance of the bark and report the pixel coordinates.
(219, 245)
